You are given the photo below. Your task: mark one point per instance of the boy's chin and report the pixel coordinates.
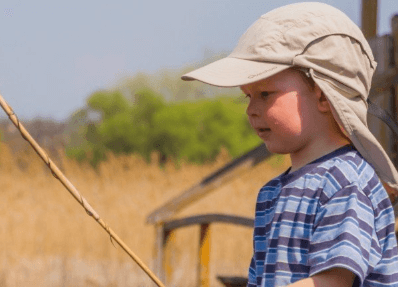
(278, 149)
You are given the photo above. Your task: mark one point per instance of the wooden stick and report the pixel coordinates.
(73, 191)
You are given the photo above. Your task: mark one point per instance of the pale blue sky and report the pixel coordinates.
(54, 54)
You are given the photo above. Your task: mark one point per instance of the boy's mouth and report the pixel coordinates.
(263, 129)
(263, 132)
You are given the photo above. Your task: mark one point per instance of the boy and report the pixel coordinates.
(327, 221)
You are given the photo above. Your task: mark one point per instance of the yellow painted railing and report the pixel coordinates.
(166, 233)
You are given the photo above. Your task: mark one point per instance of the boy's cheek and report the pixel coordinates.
(251, 124)
(250, 121)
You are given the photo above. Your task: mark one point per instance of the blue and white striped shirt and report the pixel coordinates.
(333, 212)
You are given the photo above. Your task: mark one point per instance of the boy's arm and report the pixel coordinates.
(335, 277)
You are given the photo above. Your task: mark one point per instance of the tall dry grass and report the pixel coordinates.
(48, 240)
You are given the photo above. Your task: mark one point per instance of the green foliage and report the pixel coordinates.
(109, 104)
(197, 130)
(191, 130)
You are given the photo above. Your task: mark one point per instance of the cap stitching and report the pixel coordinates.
(371, 61)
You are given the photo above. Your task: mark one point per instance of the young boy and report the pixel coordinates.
(327, 221)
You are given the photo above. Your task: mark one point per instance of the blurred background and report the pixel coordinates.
(97, 83)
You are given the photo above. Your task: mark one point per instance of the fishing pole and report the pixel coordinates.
(73, 191)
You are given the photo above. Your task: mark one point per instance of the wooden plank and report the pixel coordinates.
(382, 50)
(207, 219)
(382, 81)
(386, 71)
(204, 256)
(369, 18)
(214, 180)
(382, 47)
(394, 29)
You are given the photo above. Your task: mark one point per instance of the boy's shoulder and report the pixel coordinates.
(345, 167)
(341, 169)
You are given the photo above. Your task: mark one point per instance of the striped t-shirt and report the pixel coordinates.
(333, 212)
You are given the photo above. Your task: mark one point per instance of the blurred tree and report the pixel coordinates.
(196, 131)
(191, 130)
(160, 112)
(122, 127)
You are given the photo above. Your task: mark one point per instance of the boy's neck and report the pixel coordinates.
(317, 150)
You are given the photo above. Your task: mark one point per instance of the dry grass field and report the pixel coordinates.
(47, 239)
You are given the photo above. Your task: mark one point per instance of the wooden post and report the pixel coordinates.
(369, 18)
(204, 256)
(159, 241)
(394, 32)
(168, 256)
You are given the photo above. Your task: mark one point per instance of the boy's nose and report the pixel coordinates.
(252, 109)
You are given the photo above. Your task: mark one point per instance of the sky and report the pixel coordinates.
(54, 54)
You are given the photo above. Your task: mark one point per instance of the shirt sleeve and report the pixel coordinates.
(252, 280)
(342, 233)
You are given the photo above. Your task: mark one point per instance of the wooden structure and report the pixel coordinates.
(165, 227)
(204, 221)
(384, 92)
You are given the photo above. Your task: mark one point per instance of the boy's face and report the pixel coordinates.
(284, 112)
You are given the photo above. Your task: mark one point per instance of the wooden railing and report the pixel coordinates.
(210, 183)
(166, 233)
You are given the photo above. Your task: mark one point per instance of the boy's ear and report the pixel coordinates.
(322, 102)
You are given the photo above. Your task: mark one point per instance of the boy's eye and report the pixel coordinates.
(263, 95)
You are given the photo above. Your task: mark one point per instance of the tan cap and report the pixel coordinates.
(325, 41)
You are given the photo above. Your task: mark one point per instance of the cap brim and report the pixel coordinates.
(234, 72)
